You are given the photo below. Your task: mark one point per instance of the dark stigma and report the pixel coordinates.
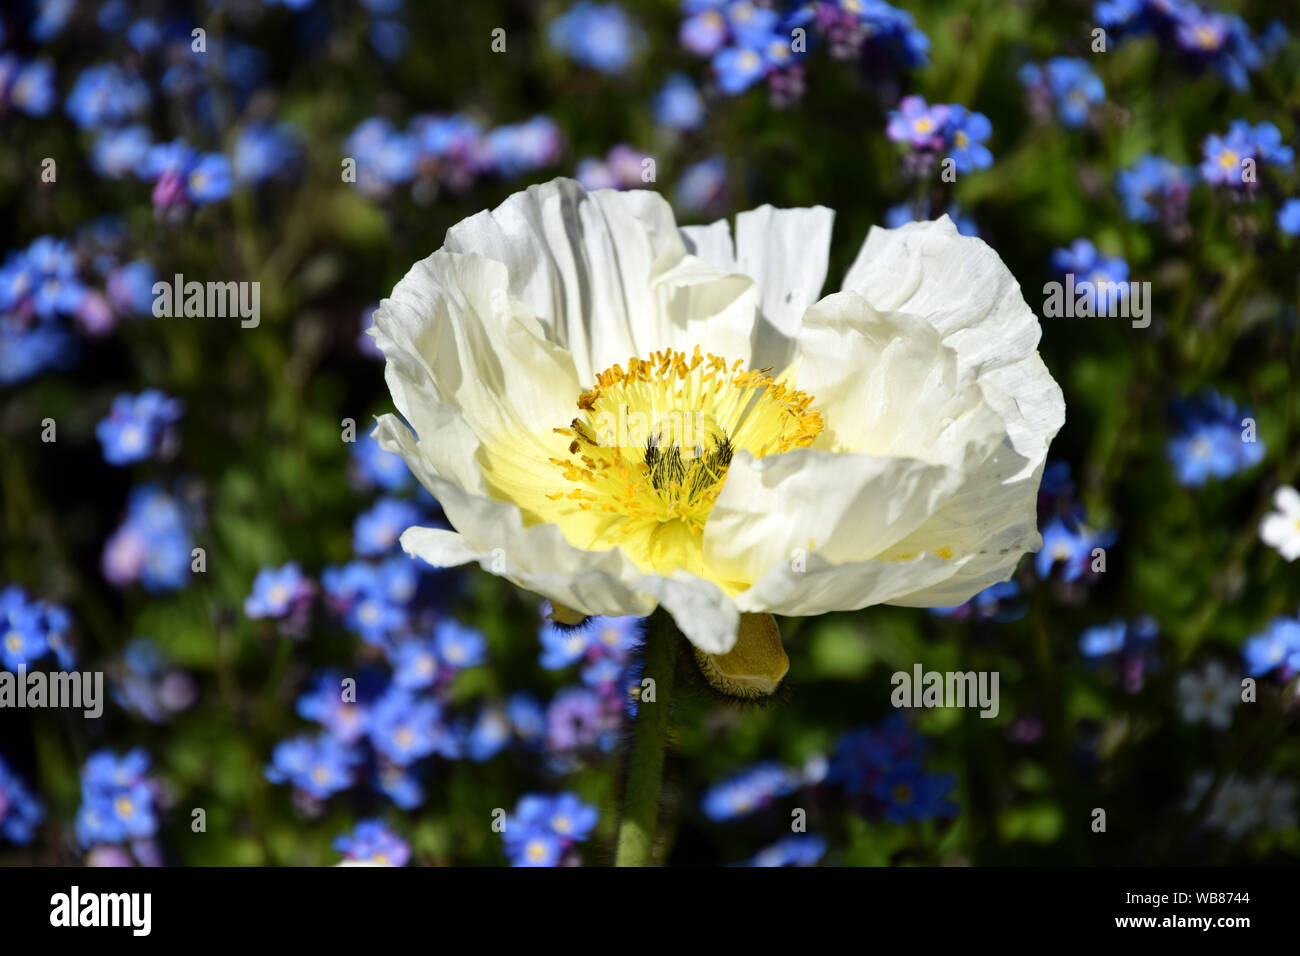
(670, 470)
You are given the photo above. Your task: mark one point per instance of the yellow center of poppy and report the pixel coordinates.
(647, 456)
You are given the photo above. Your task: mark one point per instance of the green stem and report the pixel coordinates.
(645, 763)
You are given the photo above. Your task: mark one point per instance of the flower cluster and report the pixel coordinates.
(446, 152)
(1234, 159)
(1128, 645)
(1063, 85)
(1155, 189)
(143, 684)
(32, 629)
(587, 717)
(1069, 542)
(544, 829)
(882, 769)
(153, 544)
(281, 594)
(943, 129)
(120, 804)
(139, 427)
(1274, 651)
(372, 842)
(747, 43)
(1203, 38)
(624, 167)
(749, 791)
(51, 288)
(1106, 277)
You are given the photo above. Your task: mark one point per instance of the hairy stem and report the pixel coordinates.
(645, 763)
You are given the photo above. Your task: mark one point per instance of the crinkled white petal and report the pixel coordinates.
(961, 287)
(844, 507)
(785, 251)
(609, 276)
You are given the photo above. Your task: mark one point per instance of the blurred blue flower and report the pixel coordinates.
(918, 124)
(415, 664)
(51, 17)
(376, 468)
(372, 842)
(106, 95)
(182, 174)
(702, 187)
(320, 766)
(799, 849)
(28, 87)
(600, 36)
(967, 132)
(738, 68)
(376, 531)
(1064, 84)
(1154, 188)
(20, 810)
(264, 151)
(1069, 543)
(405, 728)
(344, 719)
(1212, 440)
(522, 147)
(459, 645)
(1243, 147)
(489, 735)
(1288, 217)
(139, 427)
(278, 592)
(1106, 276)
(997, 602)
(543, 828)
(152, 545)
(120, 152)
(1277, 648)
(130, 287)
(748, 791)
(678, 105)
(117, 802)
(527, 717)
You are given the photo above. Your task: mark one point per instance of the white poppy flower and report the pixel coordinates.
(1280, 529)
(783, 453)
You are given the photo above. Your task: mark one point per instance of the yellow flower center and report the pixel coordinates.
(646, 458)
(648, 453)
